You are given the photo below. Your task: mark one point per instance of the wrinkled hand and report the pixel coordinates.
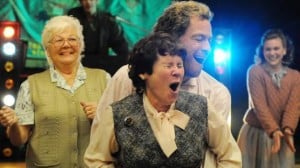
(7, 116)
(89, 108)
(288, 137)
(277, 135)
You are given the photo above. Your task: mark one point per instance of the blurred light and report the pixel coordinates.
(8, 32)
(8, 66)
(12, 54)
(8, 100)
(219, 39)
(221, 50)
(7, 152)
(220, 69)
(9, 49)
(9, 83)
(220, 55)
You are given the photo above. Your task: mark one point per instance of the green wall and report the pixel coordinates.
(136, 17)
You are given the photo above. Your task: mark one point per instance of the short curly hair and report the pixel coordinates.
(58, 24)
(286, 42)
(145, 53)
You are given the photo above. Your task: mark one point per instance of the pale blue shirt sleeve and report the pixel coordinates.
(24, 107)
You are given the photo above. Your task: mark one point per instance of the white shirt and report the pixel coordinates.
(104, 143)
(216, 93)
(121, 86)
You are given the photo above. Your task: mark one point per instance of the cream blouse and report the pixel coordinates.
(221, 142)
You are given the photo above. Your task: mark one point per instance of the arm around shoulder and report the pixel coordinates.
(102, 142)
(222, 143)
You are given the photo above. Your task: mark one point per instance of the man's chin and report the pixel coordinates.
(192, 74)
(200, 60)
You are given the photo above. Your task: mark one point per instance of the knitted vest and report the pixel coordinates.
(138, 145)
(61, 132)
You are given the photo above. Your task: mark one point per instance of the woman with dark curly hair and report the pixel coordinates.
(266, 138)
(159, 125)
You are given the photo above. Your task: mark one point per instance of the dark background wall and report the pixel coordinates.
(247, 20)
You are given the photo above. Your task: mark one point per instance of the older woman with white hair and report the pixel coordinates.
(55, 108)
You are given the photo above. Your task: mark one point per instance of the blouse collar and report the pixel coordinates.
(164, 123)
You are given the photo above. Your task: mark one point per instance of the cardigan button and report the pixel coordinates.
(128, 121)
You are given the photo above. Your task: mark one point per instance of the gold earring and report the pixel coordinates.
(142, 77)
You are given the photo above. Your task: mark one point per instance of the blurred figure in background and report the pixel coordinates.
(55, 108)
(266, 138)
(101, 33)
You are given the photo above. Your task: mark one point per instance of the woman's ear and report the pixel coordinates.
(284, 52)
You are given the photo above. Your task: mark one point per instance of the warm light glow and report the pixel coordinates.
(8, 32)
(7, 152)
(9, 66)
(9, 83)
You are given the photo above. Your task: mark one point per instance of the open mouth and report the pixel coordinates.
(199, 59)
(174, 86)
(66, 52)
